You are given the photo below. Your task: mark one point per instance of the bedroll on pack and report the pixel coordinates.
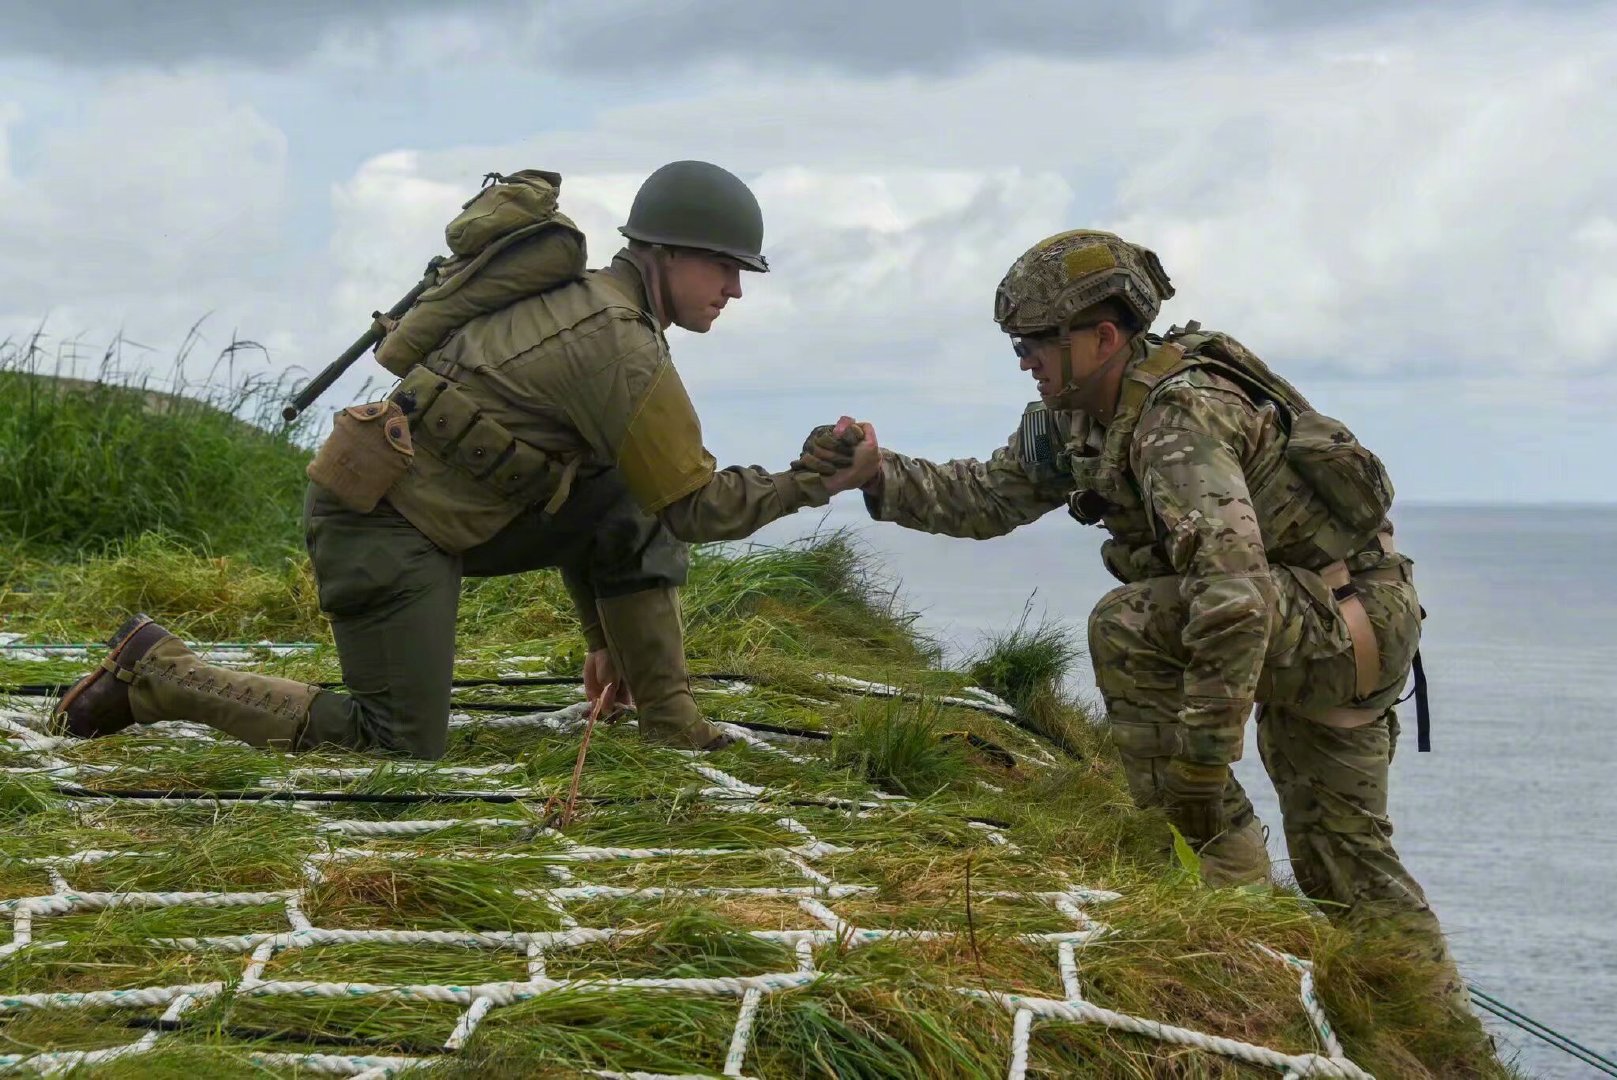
(1346, 475)
(508, 242)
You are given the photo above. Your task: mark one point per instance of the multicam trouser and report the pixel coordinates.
(1331, 781)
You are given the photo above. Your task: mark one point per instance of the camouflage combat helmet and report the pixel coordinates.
(1064, 274)
(695, 204)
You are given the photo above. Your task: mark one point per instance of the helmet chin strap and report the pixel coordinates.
(1070, 387)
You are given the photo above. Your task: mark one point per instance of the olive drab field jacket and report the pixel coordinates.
(523, 402)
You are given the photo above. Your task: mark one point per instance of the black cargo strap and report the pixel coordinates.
(1423, 715)
(1423, 711)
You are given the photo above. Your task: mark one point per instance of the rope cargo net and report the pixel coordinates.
(814, 893)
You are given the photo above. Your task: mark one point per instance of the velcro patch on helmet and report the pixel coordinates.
(1079, 262)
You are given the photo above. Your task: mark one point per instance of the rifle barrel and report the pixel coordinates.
(333, 371)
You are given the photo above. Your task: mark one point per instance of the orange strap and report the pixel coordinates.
(1366, 652)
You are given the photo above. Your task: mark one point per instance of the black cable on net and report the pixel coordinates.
(1542, 1031)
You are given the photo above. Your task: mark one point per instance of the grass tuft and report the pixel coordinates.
(1028, 667)
(22, 795)
(898, 746)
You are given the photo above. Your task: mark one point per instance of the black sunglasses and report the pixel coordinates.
(1024, 344)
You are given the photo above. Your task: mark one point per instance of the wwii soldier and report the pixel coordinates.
(548, 430)
(1256, 559)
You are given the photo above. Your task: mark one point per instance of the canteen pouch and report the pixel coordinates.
(368, 450)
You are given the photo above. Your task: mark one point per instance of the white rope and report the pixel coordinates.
(1021, 1028)
(509, 993)
(64, 903)
(564, 720)
(536, 963)
(654, 892)
(263, 952)
(115, 999)
(982, 700)
(743, 1032)
(1083, 1012)
(340, 1064)
(69, 1060)
(295, 916)
(1069, 970)
(486, 939)
(608, 1075)
(468, 1023)
(22, 933)
(813, 895)
(1311, 1002)
(417, 828)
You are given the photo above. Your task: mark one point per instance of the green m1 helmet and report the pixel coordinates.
(695, 204)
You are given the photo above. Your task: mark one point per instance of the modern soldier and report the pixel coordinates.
(1250, 533)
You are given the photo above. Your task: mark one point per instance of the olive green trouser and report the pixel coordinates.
(1331, 782)
(392, 597)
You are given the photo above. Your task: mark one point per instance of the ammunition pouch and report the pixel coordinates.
(446, 422)
(368, 450)
(1346, 475)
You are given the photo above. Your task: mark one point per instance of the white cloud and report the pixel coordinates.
(1428, 197)
(1376, 201)
(1425, 211)
(1582, 294)
(388, 219)
(153, 207)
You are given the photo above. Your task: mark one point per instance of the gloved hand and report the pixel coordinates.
(1194, 797)
(826, 452)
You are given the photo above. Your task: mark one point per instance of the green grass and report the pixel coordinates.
(899, 747)
(89, 465)
(1027, 668)
(1180, 952)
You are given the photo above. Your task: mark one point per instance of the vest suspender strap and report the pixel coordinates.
(1138, 383)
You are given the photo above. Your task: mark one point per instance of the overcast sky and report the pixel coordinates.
(1413, 215)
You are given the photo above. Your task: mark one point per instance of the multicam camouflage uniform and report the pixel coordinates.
(1220, 545)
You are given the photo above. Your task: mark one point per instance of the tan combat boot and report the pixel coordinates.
(647, 643)
(1236, 857)
(150, 675)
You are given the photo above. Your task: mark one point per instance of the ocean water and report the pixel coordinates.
(1510, 823)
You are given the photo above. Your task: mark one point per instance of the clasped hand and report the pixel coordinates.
(845, 453)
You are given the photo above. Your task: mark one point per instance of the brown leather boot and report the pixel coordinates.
(647, 644)
(98, 704)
